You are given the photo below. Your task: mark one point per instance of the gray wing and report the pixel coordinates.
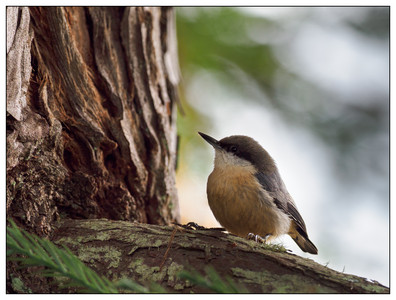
(274, 185)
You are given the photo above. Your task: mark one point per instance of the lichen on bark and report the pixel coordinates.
(151, 253)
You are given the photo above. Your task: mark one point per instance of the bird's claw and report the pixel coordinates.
(257, 238)
(193, 226)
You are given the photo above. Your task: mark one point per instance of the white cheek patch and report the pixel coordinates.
(224, 159)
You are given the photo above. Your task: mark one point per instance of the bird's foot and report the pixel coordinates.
(257, 238)
(195, 226)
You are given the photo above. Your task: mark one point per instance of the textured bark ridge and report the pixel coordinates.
(91, 114)
(152, 253)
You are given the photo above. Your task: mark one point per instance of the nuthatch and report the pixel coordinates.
(247, 195)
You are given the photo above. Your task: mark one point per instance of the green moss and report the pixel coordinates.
(179, 286)
(279, 283)
(157, 243)
(18, 286)
(102, 236)
(147, 273)
(70, 240)
(172, 271)
(155, 274)
(267, 246)
(275, 247)
(107, 254)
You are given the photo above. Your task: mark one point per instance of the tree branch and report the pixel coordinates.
(151, 253)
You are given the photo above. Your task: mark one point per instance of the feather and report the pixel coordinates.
(274, 185)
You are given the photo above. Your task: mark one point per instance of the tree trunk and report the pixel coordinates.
(91, 114)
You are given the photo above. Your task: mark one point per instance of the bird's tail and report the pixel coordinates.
(300, 236)
(305, 244)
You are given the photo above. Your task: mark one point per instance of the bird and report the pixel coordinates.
(248, 196)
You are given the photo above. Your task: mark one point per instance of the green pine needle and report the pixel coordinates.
(212, 281)
(58, 262)
(29, 250)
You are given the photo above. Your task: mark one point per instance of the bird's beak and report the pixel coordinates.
(210, 140)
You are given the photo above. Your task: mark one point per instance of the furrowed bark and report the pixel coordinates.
(91, 112)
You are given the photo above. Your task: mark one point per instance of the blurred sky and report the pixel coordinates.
(317, 101)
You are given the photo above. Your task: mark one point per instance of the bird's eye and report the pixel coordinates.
(233, 149)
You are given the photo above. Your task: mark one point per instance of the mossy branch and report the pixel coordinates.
(30, 250)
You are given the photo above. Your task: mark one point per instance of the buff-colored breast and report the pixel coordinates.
(241, 206)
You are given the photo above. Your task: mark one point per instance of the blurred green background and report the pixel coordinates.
(311, 85)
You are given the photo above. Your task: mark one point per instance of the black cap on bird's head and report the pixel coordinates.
(244, 148)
